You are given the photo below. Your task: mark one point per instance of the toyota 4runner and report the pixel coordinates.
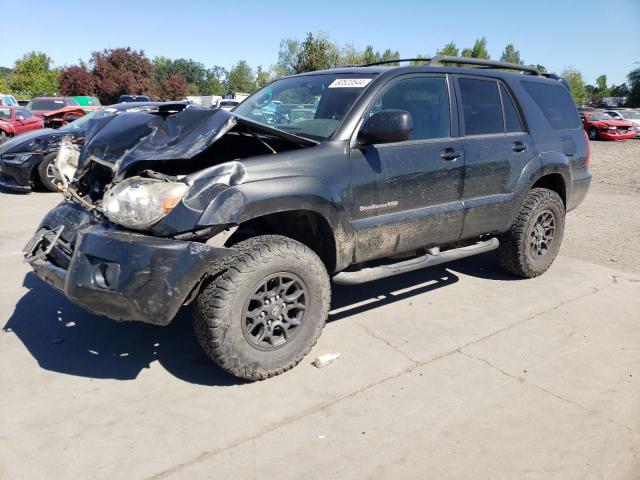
(352, 174)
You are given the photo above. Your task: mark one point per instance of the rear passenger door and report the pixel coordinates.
(496, 146)
(407, 195)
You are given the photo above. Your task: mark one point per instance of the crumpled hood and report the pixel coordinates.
(170, 133)
(33, 141)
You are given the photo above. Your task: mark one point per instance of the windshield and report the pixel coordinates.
(310, 105)
(600, 116)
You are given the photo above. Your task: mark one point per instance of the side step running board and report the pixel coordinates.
(383, 271)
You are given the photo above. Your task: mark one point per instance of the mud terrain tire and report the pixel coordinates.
(530, 246)
(261, 269)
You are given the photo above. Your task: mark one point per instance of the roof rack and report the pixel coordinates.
(438, 59)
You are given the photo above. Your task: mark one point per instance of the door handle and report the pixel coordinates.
(450, 154)
(519, 147)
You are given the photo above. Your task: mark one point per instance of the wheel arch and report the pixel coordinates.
(280, 206)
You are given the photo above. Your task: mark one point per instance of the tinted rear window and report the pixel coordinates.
(511, 117)
(556, 104)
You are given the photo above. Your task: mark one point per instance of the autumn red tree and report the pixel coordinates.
(76, 80)
(122, 71)
(173, 88)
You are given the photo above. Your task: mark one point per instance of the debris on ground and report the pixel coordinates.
(325, 360)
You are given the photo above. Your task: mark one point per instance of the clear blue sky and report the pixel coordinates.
(592, 36)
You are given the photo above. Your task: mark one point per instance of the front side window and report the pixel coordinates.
(426, 99)
(24, 113)
(482, 108)
(309, 105)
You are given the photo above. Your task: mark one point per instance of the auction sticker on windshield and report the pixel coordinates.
(349, 83)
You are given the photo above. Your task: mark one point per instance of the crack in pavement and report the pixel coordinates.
(548, 392)
(388, 343)
(318, 408)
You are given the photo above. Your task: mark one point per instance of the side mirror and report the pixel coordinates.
(19, 118)
(386, 126)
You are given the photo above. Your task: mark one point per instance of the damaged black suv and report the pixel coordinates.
(356, 173)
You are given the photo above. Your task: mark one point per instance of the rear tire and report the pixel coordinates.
(264, 313)
(530, 246)
(46, 172)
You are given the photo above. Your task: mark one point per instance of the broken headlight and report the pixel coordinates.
(139, 203)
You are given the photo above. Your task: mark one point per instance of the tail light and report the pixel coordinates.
(587, 160)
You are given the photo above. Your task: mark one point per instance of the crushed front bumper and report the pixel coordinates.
(118, 273)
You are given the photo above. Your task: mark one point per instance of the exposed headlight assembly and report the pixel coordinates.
(139, 203)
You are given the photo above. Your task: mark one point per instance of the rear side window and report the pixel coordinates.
(556, 104)
(511, 117)
(482, 108)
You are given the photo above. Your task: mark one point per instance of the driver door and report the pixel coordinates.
(408, 195)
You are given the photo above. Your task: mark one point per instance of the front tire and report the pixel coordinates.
(263, 314)
(593, 133)
(46, 172)
(530, 246)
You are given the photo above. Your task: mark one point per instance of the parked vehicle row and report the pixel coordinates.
(619, 125)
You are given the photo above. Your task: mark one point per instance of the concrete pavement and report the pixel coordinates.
(455, 372)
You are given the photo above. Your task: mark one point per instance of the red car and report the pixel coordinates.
(17, 120)
(600, 125)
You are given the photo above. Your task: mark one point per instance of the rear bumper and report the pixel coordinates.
(580, 187)
(124, 275)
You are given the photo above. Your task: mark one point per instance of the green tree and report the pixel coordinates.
(601, 84)
(389, 55)
(317, 53)
(241, 78)
(34, 75)
(214, 81)
(450, 50)
(577, 86)
(634, 88)
(540, 68)
(511, 55)
(467, 52)
(262, 77)
(370, 56)
(479, 50)
(350, 55)
(288, 57)
(619, 90)
(418, 60)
